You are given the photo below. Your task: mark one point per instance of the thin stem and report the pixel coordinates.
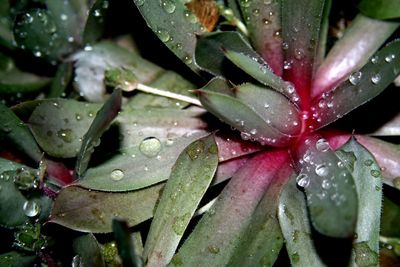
(156, 91)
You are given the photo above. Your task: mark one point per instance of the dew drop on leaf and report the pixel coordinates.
(322, 145)
(117, 175)
(376, 78)
(389, 58)
(195, 150)
(150, 147)
(375, 173)
(303, 180)
(139, 2)
(168, 5)
(67, 135)
(355, 77)
(163, 35)
(374, 59)
(326, 184)
(368, 162)
(31, 208)
(321, 170)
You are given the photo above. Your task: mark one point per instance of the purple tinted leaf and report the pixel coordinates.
(228, 168)
(263, 19)
(300, 34)
(329, 188)
(92, 211)
(190, 177)
(295, 225)
(360, 87)
(101, 122)
(213, 241)
(351, 52)
(255, 120)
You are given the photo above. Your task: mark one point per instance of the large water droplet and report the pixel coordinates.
(375, 173)
(163, 35)
(389, 58)
(376, 78)
(355, 77)
(31, 208)
(375, 59)
(303, 180)
(139, 2)
(67, 135)
(150, 147)
(195, 150)
(117, 175)
(190, 17)
(326, 184)
(322, 145)
(168, 5)
(321, 170)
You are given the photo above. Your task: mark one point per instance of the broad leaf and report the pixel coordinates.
(101, 122)
(390, 218)
(263, 19)
(92, 211)
(380, 9)
(174, 25)
(329, 187)
(13, 130)
(368, 182)
(213, 241)
(15, 259)
(300, 34)
(59, 125)
(190, 177)
(258, 113)
(88, 250)
(92, 63)
(295, 225)
(360, 41)
(126, 249)
(360, 87)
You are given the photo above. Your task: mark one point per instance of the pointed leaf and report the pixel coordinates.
(92, 63)
(254, 113)
(59, 125)
(13, 130)
(92, 211)
(390, 218)
(180, 37)
(94, 27)
(15, 259)
(89, 251)
(61, 80)
(300, 36)
(262, 241)
(361, 86)
(323, 36)
(213, 241)
(293, 219)
(368, 182)
(101, 122)
(152, 141)
(261, 72)
(351, 52)
(263, 19)
(380, 9)
(329, 187)
(6, 34)
(190, 177)
(126, 249)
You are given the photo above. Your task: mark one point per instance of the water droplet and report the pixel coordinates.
(266, 105)
(187, 60)
(150, 147)
(190, 17)
(63, 17)
(389, 58)
(256, 12)
(139, 2)
(97, 13)
(78, 116)
(368, 162)
(266, 21)
(375, 173)
(374, 59)
(31, 208)
(253, 131)
(245, 136)
(67, 135)
(245, 3)
(376, 78)
(299, 53)
(37, 54)
(287, 65)
(169, 142)
(163, 35)
(321, 170)
(213, 249)
(168, 5)
(117, 175)
(195, 149)
(355, 77)
(289, 88)
(326, 184)
(303, 180)
(322, 145)
(340, 164)
(307, 156)
(285, 46)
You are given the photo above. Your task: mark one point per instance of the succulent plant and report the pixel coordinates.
(136, 166)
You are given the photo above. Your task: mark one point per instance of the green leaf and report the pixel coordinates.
(380, 9)
(92, 211)
(174, 25)
(368, 182)
(101, 122)
(6, 34)
(13, 130)
(126, 248)
(190, 177)
(262, 73)
(15, 259)
(295, 225)
(88, 250)
(329, 187)
(323, 36)
(390, 218)
(215, 237)
(254, 112)
(61, 80)
(92, 63)
(361, 86)
(59, 125)
(262, 241)
(152, 141)
(300, 34)
(95, 22)
(359, 42)
(263, 19)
